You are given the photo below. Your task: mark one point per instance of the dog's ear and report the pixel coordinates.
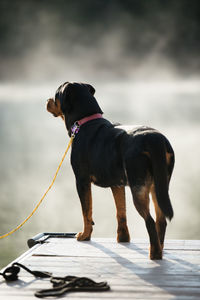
(65, 95)
(91, 89)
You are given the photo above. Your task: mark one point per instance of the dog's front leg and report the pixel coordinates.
(120, 202)
(85, 195)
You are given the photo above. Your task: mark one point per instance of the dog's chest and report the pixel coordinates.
(101, 163)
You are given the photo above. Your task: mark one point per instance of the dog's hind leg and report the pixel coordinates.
(85, 195)
(120, 202)
(141, 201)
(161, 223)
(140, 181)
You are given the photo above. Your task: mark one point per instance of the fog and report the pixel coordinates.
(143, 73)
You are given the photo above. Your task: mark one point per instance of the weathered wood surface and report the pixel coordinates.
(126, 268)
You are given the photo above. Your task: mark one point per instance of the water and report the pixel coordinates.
(33, 142)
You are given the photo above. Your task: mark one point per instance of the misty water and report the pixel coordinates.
(33, 142)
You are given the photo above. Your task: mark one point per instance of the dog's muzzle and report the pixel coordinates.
(54, 107)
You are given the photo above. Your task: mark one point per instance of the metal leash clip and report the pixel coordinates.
(75, 129)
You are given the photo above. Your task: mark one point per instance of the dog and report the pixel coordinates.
(116, 156)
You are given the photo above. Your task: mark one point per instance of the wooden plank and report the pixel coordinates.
(126, 267)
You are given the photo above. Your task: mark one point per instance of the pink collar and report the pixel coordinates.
(76, 127)
(90, 118)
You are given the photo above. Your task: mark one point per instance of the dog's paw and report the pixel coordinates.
(81, 236)
(155, 253)
(123, 236)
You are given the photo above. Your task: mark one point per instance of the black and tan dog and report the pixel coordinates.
(116, 156)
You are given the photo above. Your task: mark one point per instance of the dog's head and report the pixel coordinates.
(74, 101)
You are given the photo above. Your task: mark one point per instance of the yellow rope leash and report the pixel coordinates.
(36, 207)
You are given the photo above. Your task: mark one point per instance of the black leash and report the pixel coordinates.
(61, 285)
(76, 284)
(11, 273)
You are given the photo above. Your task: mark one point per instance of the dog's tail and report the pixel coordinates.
(156, 146)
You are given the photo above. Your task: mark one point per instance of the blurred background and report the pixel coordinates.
(143, 59)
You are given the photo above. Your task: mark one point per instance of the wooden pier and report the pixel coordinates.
(126, 267)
